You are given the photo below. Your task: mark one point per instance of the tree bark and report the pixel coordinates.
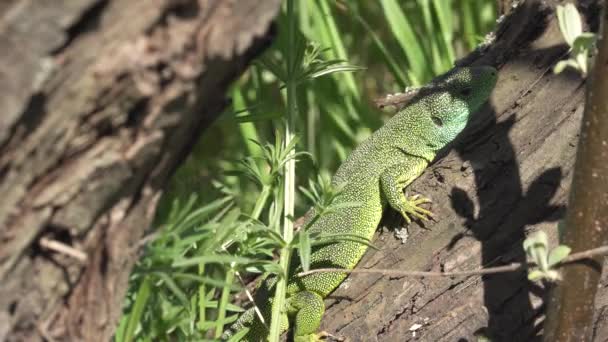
(508, 176)
(571, 304)
(101, 100)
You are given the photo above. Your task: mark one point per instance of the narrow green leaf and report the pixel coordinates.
(468, 23)
(195, 217)
(269, 267)
(335, 40)
(388, 57)
(223, 304)
(304, 249)
(308, 194)
(213, 324)
(204, 280)
(558, 254)
(408, 40)
(213, 304)
(239, 335)
(141, 299)
(444, 14)
(275, 68)
(432, 42)
(174, 288)
(210, 259)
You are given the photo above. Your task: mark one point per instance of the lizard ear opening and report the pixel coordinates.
(437, 121)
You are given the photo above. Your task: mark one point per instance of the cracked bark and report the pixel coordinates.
(507, 176)
(101, 100)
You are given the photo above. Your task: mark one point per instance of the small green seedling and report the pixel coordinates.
(581, 43)
(537, 249)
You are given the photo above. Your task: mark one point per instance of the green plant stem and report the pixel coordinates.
(202, 297)
(261, 202)
(247, 129)
(289, 183)
(225, 297)
(279, 297)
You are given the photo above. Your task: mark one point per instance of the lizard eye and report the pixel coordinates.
(466, 91)
(437, 121)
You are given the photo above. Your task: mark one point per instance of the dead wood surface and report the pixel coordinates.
(508, 176)
(101, 100)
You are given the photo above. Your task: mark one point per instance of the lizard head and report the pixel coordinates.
(455, 98)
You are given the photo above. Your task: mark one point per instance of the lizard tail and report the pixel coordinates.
(241, 323)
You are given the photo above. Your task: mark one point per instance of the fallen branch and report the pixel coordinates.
(516, 266)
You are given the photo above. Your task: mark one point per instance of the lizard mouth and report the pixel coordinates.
(486, 75)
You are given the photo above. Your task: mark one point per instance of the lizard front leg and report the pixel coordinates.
(392, 182)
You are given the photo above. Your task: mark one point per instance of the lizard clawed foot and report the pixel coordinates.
(325, 334)
(411, 207)
(317, 337)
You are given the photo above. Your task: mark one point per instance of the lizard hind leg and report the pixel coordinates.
(307, 309)
(392, 182)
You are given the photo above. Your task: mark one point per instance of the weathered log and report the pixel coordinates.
(508, 176)
(101, 101)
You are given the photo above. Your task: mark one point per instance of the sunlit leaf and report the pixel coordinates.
(569, 22)
(558, 254)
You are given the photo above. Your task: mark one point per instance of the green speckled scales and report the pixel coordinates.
(375, 175)
(362, 186)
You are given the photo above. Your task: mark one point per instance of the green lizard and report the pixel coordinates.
(374, 175)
